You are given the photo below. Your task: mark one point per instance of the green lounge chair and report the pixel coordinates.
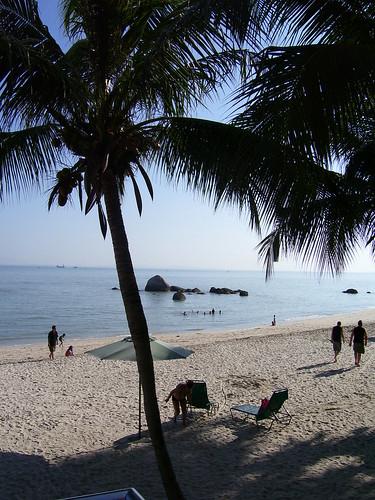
(199, 398)
(274, 411)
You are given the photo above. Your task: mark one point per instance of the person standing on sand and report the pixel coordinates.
(359, 339)
(53, 338)
(180, 395)
(337, 338)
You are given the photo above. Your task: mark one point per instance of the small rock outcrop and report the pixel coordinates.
(115, 288)
(179, 296)
(228, 291)
(350, 290)
(157, 284)
(175, 288)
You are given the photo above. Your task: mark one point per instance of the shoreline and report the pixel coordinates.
(39, 351)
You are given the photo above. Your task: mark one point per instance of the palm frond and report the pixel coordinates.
(311, 97)
(27, 157)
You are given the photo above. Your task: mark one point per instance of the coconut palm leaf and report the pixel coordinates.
(244, 169)
(311, 97)
(306, 21)
(26, 158)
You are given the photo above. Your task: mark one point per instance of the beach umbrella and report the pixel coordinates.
(124, 350)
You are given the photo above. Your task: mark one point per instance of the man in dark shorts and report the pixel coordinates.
(337, 338)
(53, 338)
(180, 395)
(359, 339)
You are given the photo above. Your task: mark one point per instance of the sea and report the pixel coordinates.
(84, 302)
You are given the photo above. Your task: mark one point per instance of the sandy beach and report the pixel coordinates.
(64, 425)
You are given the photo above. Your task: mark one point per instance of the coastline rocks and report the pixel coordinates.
(179, 296)
(175, 288)
(228, 291)
(115, 288)
(157, 284)
(350, 290)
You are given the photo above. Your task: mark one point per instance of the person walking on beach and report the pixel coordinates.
(337, 338)
(61, 340)
(180, 395)
(53, 338)
(359, 340)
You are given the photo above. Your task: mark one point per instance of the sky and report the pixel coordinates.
(177, 230)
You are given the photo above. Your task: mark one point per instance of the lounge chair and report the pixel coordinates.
(199, 398)
(273, 411)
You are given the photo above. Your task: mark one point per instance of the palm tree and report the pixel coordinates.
(303, 108)
(316, 98)
(118, 98)
(99, 110)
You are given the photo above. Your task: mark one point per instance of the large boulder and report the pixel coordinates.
(179, 296)
(350, 290)
(157, 284)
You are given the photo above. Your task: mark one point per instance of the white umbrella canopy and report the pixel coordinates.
(124, 350)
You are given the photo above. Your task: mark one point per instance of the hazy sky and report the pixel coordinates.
(176, 230)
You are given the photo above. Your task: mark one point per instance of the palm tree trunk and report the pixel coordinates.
(139, 333)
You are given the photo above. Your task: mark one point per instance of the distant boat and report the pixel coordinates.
(60, 267)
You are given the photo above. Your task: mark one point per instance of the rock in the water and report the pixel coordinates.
(244, 293)
(157, 284)
(175, 288)
(115, 288)
(221, 291)
(179, 296)
(350, 290)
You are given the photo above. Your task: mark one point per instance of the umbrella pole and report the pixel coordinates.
(140, 408)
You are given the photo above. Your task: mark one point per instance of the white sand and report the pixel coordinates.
(59, 420)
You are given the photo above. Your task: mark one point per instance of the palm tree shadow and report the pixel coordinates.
(302, 467)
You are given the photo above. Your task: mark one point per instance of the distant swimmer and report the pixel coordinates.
(213, 311)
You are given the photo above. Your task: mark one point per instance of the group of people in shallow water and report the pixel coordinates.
(212, 311)
(54, 340)
(358, 339)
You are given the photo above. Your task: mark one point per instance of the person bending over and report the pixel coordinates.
(180, 395)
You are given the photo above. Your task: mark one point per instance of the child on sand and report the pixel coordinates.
(69, 351)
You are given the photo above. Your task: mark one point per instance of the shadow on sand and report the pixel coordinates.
(233, 469)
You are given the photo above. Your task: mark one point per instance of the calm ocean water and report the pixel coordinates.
(81, 302)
